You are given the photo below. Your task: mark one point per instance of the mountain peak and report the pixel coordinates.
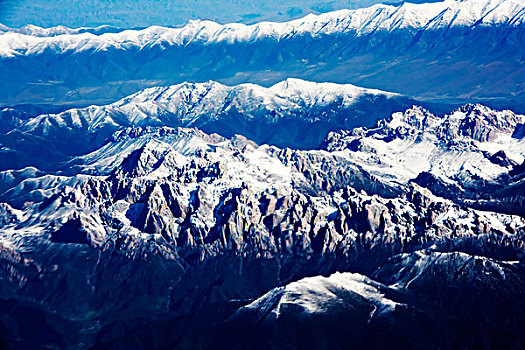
(473, 144)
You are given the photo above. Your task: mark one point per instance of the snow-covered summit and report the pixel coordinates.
(194, 100)
(265, 115)
(471, 121)
(211, 98)
(321, 94)
(472, 147)
(317, 295)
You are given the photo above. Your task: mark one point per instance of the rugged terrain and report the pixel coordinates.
(212, 198)
(170, 234)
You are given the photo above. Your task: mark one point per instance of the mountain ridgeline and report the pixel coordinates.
(293, 113)
(443, 51)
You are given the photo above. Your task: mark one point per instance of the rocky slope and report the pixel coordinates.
(182, 187)
(474, 155)
(166, 237)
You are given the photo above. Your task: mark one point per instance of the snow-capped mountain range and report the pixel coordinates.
(214, 198)
(140, 176)
(293, 113)
(380, 46)
(143, 13)
(33, 30)
(455, 155)
(196, 209)
(363, 21)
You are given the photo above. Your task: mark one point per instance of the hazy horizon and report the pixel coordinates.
(140, 13)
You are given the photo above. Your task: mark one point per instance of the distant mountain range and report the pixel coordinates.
(142, 13)
(451, 50)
